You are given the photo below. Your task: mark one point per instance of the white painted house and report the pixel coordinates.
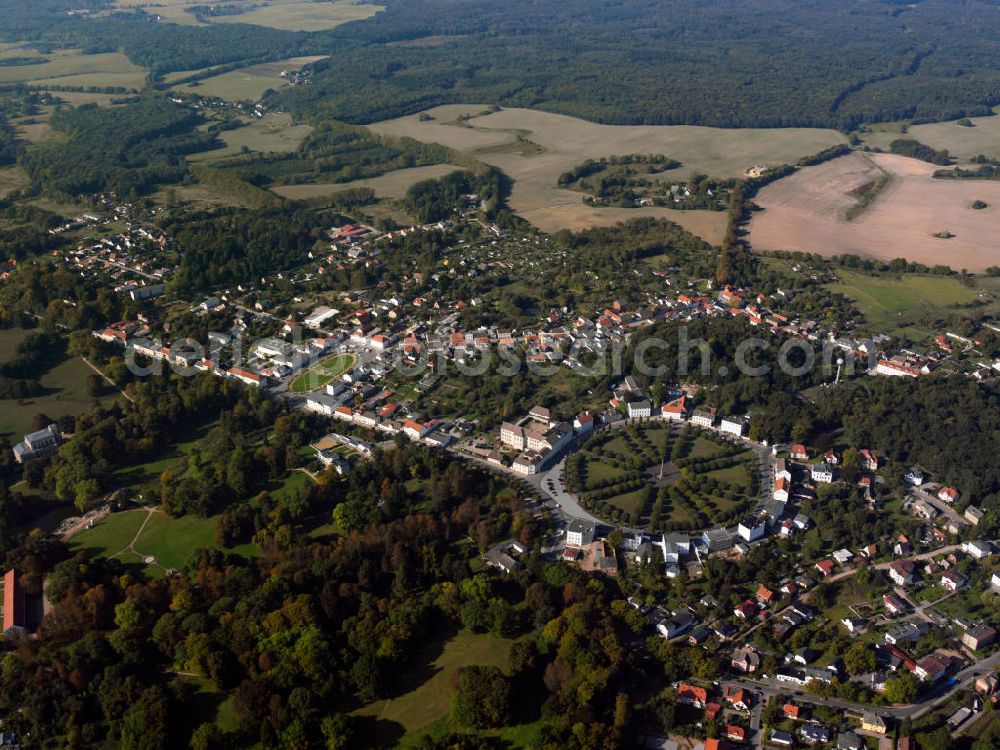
(733, 426)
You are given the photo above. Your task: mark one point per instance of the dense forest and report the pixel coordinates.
(235, 245)
(127, 150)
(293, 640)
(8, 143)
(433, 200)
(761, 63)
(159, 47)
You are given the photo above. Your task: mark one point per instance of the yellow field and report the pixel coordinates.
(72, 68)
(389, 185)
(962, 142)
(247, 84)
(290, 15)
(557, 143)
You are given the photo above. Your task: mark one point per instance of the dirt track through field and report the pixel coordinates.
(807, 212)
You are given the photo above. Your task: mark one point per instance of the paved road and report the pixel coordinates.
(758, 736)
(930, 700)
(568, 503)
(942, 507)
(922, 556)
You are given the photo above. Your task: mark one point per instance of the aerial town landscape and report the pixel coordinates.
(394, 375)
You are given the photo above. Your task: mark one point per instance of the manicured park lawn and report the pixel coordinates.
(703, 448)
(736, 474)
(630, 502)
(65, 383)
(658, 438)
(598, 471)
(602, 479)
(618, 446)
(323, 373)
(150, 471)
(296, 481)
(110, 535)
(426, 689)
(171, 541)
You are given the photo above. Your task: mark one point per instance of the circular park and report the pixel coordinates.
(664, 477)
(321, 373)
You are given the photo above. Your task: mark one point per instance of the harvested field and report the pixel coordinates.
(552, 144)
(390, 185)
(575, 215)
(303, 16)
(290, 15)
(808, 212)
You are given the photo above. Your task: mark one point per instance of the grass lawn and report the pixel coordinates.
(889, 302)
(675, 510)
(630, 502)
(426, 687)
(295, 481)
(704, 448)
(517, 736)
(724, 505)
(678, 513)
(732, 474)
(658, 437)
(618, 446)
(170, 540)
(318, 376)
(110, 535)
(598, 471)
(65, 383)
(149, 472)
